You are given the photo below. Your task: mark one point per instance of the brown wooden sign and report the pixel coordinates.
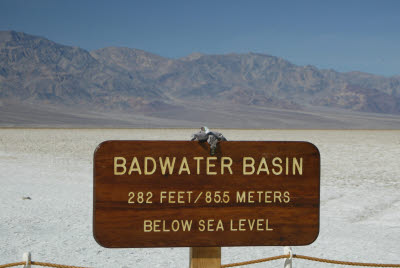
(175, 194)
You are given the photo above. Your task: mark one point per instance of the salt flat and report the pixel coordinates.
(360, 197)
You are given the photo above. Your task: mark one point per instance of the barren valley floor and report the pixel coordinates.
(360, 200)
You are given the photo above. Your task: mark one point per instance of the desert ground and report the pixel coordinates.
(360, 197)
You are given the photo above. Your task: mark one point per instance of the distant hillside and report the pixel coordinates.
(35, 70)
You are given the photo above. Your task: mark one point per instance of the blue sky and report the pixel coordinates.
(342, 35)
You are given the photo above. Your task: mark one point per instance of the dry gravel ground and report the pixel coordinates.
(360, 197)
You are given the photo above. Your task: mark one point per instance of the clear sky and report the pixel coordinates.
(342, 35)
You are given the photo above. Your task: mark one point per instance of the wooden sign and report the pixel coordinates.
(175, 194)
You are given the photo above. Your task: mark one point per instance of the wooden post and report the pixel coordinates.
(288, 261)
(205, 257)
(27, 259)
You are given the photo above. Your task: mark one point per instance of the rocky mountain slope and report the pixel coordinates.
(36, 70)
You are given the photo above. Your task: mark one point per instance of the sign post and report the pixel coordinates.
(205, 257)
(174, 194)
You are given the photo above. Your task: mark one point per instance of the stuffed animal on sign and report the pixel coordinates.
(212, 138)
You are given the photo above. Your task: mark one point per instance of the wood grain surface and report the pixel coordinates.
(281, 206)
(205, 257)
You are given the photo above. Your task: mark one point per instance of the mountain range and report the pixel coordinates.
(37, 74)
